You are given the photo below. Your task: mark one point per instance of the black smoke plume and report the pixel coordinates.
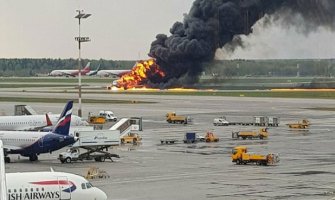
(211, 24)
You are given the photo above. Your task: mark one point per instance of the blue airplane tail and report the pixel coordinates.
(63, 125)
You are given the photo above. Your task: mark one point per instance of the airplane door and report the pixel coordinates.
(65, 188)
(40, 142)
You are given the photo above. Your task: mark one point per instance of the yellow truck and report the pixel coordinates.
(240, 156)
(133, 138)
(171, 117)
(261, 134)
(300, 125)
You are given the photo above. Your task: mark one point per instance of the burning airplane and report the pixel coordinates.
(179, 59)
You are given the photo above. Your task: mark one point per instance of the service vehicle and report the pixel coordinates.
(261, 134)
(131, 137)
(91, 145)
(171, 117)
(192, 137)
(109, 115)
(210, 137)
(240, 156)
(74, 154)
(300, 125)
(221, 121)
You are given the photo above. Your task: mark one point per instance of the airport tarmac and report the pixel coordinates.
(204, 170)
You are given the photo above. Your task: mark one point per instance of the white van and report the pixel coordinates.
(109, 115)
(220, 122)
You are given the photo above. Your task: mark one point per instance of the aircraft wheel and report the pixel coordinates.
(7, 159)
(33, 158)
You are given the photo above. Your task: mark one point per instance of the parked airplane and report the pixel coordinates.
(70, 72)
(45, 185)
(30, 144)
(106, 73)
(34, 122)
(93, 72)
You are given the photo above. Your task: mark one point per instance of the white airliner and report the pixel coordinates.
(45, 185)
(34, 122)
(71, 72)
(106, 73)
(31, 144)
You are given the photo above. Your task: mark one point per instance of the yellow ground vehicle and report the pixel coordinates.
(171, 117)
(240, 156)
(261, 134)
(210, 137)
(94, 172)
(97, 120)
(133, 138)
(301, 125)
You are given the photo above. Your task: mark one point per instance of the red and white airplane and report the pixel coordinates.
(71, 72)
(45, 185)
(106, 73)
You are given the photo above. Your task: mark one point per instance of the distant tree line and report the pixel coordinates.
(34, 67)
(220, 69)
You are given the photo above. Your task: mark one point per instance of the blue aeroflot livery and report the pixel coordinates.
(31, 144)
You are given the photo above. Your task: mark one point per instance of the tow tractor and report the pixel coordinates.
(300, 125)
(240, 156)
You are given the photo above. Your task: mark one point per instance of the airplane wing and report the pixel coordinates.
(9, 147)
(39, 128)
(3, 186)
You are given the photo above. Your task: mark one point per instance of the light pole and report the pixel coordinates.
(81, 15)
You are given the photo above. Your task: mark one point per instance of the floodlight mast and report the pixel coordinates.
(81, 15)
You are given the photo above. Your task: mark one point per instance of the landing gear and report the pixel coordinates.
(7, 159)
(33, 157)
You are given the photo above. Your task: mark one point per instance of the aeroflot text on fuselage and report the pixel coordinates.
(34, 195)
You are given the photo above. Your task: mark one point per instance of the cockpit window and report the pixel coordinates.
(89, 185)
(83, 186)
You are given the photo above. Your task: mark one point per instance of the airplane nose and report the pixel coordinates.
(101, 195)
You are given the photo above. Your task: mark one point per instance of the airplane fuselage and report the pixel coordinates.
(50, 186)
(29, 143)
(33, 122)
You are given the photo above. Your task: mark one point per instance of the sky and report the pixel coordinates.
(124, 30)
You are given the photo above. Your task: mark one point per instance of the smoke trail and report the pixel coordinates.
(211, 24)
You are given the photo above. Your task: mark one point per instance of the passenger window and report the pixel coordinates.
(9, 191)
(83, 186)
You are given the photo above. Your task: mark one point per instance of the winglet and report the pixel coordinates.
(3, 186)
(63, 125)
(49, 123)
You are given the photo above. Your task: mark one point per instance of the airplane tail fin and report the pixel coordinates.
(63, 125)
(49, 123)
(87, 67)
(3, 186)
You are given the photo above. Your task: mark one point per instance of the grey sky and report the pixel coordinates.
(124, 29)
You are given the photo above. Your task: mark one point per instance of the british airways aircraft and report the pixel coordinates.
(31, 144)
(45, 185)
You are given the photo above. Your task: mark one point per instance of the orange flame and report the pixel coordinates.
(138, 76)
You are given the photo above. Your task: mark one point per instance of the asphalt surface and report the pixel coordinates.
(151, 170)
